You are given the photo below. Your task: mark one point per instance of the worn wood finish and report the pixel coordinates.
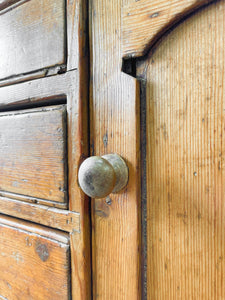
(77, 36)
(79, 143)
(144, 21)
(53, 217)
(32, 36)
(38, 92)
(71, 87)
(33, 153)
(114, 129)
(29, 76)
(35, 262)
(74, 43)
(34, 200)
(185, 159)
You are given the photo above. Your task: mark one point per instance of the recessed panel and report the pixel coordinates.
(32, 36)
(35, 262)
(33, 153)
(185, 159)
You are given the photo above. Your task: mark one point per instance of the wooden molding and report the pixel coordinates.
(144, 21)
(49, 216)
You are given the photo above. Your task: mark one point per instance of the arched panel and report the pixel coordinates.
(185, 159)
(144, 21)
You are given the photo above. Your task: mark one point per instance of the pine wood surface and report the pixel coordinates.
(33, 153)
(68, 42)
(78, 142)
(52, 89)
(72, 89)
(35, 262)
(144, 21)
(77, 37)
(32, 36)
(69, 17)
(114, 126)
(41, 214)
(185, 102)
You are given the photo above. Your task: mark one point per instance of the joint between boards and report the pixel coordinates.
(34, 75)
(143, 134)
(64, 220)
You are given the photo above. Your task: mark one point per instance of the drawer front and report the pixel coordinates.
(35, 262)
(32, 36)
(33, 153)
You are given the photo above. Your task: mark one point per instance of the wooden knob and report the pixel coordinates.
(100, 176)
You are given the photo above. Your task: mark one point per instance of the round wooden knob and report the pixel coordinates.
(100, 176)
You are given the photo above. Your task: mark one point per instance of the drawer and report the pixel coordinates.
(35, 262)
(32, 36)
(33, 153)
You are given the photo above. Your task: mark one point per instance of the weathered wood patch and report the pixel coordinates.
(33, 158)
(35, 262)
(32, 35)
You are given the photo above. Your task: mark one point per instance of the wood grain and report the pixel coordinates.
(41, 91)
(74, 42)
(34, 200)
(185, 159)
(144, 21)
(78, 142)
(77, 35)
(114, 126)
(52, 217)
(33, 153)
(72, 88)
(32, 37)
(34, 262)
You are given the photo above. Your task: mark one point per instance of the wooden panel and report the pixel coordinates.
(35, 262)
(73, 87)
(34, 200)
(144, 21)
(33, 152)
(32, 35)
(40, 91)
(114, 128)
(49, 216)
(185, 159)
(75, 47)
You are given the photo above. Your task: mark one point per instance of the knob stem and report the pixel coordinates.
(120, 169)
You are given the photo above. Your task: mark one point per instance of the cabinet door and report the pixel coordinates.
(44, 216)
(168, 241)
(183, 100)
